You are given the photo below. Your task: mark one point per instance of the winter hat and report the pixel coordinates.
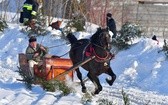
(32, 39)
(109, 14)
(154, 37)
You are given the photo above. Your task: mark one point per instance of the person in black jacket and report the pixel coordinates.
(111, 24)
(29, 12)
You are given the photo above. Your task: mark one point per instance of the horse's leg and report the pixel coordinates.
(113, 76)
(79, 75)
(96, 82)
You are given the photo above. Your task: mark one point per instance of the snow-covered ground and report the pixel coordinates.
(141, 72)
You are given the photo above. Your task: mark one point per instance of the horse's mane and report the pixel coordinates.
(95, 37)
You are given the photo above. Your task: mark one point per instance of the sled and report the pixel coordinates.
(50, 68)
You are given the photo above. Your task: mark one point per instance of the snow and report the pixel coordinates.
(141, 72)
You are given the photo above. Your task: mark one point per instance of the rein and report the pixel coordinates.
(58, 45)
(67, 51)
(64, 54)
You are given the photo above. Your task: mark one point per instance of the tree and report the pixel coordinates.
(128, 32)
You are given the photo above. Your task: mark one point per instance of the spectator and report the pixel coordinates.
(154, 38)
(29, 12)
(111, 24)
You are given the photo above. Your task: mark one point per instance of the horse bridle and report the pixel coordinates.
(106, 50)
(101, 43)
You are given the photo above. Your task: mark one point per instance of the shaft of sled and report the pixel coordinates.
(75, 67)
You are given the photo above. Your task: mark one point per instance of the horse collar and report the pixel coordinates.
(90, 50)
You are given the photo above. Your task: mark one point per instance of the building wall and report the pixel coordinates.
(151, 16)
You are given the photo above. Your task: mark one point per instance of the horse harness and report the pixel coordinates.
(90, 51)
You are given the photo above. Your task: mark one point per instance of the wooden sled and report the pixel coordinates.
(50, 69)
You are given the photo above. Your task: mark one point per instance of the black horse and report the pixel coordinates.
(98, 46)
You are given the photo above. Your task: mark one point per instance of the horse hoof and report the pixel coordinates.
(96, 92)
(84, 90)
(110, 82)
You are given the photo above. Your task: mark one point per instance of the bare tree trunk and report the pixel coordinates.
(5, 5)
(104, 14)
(19, 5)
(49, 11)
(68, 10)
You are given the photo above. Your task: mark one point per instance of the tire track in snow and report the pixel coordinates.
(45, 99)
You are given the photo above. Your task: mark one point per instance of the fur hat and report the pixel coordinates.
(109, 14)
(32, 39)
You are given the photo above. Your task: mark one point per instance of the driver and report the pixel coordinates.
(35, 53)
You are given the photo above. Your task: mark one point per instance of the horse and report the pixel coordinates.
(99, 46)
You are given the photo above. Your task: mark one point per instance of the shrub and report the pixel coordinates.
(60, 85)
(26, 78)
(3, 25)
(128, 32)
(54, 85)
(78, 22)
(78, 25)
(40, 27)
(87, 98)
(51, 85)
(104, 102)
(125, 98)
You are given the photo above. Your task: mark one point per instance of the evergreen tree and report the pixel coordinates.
(3, 25)
(128, 32)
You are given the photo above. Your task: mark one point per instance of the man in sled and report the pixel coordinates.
(111, 24)
(35, 53)
(29, 12)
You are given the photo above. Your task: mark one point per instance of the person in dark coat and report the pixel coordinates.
(111, 24)
(29, 12)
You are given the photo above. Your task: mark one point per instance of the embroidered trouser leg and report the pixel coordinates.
(31, 64)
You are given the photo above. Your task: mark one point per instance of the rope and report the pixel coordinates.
(64, 54)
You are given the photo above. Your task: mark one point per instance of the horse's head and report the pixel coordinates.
(102, 38)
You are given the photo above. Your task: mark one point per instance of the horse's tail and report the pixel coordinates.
(72, 39)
